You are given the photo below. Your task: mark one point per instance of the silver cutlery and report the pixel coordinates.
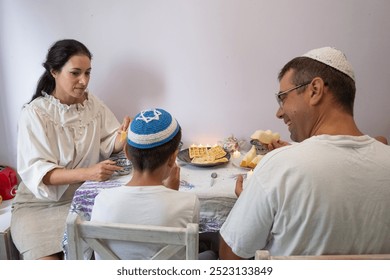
(213, 176)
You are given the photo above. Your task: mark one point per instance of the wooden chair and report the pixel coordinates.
(95, 233)
(265, 255)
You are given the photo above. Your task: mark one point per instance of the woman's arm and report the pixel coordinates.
(98, 172)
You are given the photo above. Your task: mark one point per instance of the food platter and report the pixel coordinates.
(184, 156)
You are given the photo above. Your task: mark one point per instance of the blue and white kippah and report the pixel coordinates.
(151, 128)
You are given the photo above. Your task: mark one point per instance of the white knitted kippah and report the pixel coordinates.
(334, 58)
(151, 128)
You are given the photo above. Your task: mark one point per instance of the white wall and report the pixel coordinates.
(212, 63)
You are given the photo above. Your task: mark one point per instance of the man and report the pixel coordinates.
(327, 194)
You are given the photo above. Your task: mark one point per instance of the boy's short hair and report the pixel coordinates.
(153, 136)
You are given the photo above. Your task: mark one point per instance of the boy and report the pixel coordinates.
(151, 196)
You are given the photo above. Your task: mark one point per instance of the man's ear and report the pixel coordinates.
(317, 88)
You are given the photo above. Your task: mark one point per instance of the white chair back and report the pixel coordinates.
(95, 234)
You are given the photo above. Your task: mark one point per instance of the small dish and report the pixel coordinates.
(261, 149)
(121, 160)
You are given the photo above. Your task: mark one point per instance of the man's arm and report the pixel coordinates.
(239, 185)
(225, 252)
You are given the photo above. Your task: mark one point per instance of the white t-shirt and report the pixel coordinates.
(54, 135)
(150, 205)
(325, 195)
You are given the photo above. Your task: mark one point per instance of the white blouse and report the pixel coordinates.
(54, 135)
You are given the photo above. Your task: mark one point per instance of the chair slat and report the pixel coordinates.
(167, 252)
(104, 251)
(93, 234)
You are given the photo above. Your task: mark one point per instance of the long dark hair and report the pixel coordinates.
(59, 53)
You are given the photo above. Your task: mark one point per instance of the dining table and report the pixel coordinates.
(213, 185)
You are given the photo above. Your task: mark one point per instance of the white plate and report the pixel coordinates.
(236, 162)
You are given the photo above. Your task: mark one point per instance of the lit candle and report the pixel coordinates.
(249, 174)
(236, 154)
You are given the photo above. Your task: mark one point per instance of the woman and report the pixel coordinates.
(64, 133)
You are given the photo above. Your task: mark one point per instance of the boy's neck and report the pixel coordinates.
(147, 178)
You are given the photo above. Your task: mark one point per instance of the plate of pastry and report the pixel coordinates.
(204, 156)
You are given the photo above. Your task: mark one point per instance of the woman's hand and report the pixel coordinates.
(103, 170)
(122, 135)
(125, 124)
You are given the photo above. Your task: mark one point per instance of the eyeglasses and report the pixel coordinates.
(279, 95)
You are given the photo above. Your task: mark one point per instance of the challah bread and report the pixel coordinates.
(255, 161)
(248, 157)
(265, 137)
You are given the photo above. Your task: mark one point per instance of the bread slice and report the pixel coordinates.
(265, 136)
(217, 152)
(255, 161)
(248, 157)
(197, 151)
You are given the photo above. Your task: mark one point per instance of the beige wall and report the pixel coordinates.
(212, 63)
